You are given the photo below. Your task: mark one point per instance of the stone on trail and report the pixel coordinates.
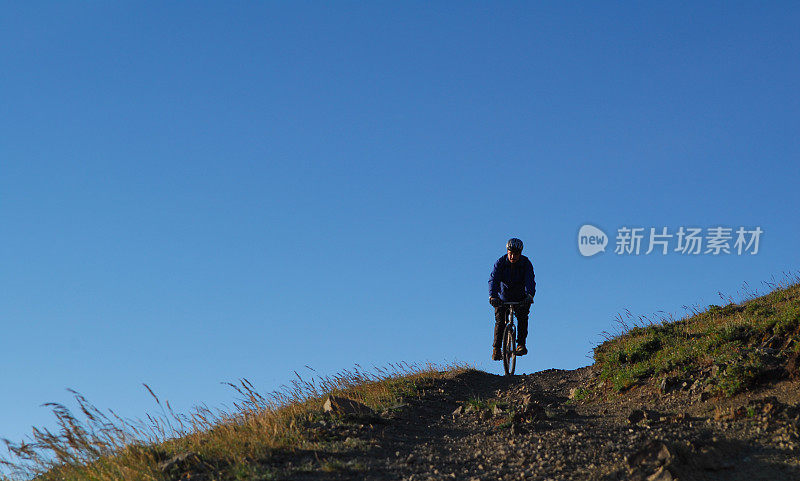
(344, 406)
(517, 430)
(635, 416)
(654, 452)
(661, 474)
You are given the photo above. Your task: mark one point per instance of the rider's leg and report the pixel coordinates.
(499, 325)
(522, 311)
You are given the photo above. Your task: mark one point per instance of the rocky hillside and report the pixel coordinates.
(712, 397)
(477, 426)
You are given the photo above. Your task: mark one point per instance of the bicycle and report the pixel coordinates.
(509, 349)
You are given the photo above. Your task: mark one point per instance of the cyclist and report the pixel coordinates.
(511, 280)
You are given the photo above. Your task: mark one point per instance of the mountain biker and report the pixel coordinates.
(512, 280)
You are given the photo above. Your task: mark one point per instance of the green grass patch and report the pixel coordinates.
(741, 375)
(729, 335)
(581, 394)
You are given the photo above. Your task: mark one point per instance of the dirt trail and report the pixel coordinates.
(479, 426)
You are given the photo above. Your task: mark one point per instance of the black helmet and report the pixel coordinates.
(514, 244)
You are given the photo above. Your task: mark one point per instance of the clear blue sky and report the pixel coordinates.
(194, 192)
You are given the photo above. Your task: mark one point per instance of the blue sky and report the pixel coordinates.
(192, 193)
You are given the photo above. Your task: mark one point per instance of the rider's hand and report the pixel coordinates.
(495, 302)
(529, 299)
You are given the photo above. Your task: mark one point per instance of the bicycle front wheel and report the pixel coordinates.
(509, 350)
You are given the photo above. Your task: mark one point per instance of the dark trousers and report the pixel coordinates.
(521, 313)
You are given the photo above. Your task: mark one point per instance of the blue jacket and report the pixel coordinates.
(511, 282)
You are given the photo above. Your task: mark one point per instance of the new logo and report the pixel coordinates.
(591, 240)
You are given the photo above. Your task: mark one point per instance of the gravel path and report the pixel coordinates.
(478, 426)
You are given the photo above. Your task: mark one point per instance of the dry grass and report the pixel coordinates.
(235, 444)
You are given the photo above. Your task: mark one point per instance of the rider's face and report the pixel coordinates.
(513, 256)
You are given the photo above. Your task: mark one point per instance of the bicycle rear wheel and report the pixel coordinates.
(509, 349)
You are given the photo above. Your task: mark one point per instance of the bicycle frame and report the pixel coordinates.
(510, 306)
(509, 341)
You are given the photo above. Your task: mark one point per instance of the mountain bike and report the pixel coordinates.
(509, 350)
